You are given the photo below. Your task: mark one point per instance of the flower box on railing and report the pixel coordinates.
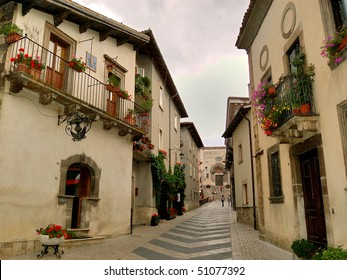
(293, 97)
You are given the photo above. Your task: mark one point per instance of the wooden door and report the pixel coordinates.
(55, 62)
(81, 186)
(313, 198)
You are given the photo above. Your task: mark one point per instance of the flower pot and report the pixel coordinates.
(130, 119)
(22, 67)
(112, 88)
(73, 66)
(11, 38)
(155, 221)
(342, 45)
(36, 73)
(305, 109)
(296, 111)
(45, 240)
(271, 90)
(121, 95)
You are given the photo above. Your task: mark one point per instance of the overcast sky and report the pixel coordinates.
(197, 40)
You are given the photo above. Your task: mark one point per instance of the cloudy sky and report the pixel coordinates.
(197, 39)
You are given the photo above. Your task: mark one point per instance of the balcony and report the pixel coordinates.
(77, 91)
(288, 112)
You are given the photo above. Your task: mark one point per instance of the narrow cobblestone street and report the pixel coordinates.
(207, 233)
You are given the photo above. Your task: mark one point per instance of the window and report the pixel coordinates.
(244, 194)
(175, 120)
(342, 113)
(339, 8)
(292, 53)
(161, 138)
(161, 96)
(239, 150)
(276, 194)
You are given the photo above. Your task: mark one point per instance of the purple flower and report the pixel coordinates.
(338, 60)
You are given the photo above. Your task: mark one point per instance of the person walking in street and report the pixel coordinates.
(222, 199)
(229, 200)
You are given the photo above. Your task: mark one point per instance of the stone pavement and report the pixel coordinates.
(207, 233)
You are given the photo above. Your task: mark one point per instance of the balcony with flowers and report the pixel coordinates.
(285, 110)
(65, 81)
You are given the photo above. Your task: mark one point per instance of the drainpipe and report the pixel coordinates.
(252, 169)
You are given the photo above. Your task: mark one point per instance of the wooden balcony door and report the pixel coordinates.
(313, 197)
(55, 64)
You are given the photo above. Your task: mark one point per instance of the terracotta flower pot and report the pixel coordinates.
(296, 111)
(305, 109)
(130, 119)
(271, 90)
(343, 44)
(11, 38)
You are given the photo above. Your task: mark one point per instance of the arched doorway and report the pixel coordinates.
(78, 179)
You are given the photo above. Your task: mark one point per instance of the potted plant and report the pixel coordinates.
(122, 93)
(24, 62)
(333, 46)
(51, 235)
(113, 83)
(172, 213)
(12, 32)
(130, 117)
(304, 249)
(332, 253)
(142, 86)
(155, 219)
(77, 64)
(147, 104)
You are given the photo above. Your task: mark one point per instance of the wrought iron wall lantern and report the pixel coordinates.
(77, 125)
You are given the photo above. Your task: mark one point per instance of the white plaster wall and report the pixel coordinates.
(34, 146)
(329, 91)
(242, 169)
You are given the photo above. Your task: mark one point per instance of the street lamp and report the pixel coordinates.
(77, 125)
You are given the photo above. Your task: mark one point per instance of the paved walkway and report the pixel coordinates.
(207, 233)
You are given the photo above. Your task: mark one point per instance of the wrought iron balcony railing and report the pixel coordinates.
(73, 86)
(295, 94)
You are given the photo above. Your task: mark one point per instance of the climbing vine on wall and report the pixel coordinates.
(175, 180)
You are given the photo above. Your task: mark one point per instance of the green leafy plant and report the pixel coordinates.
(142, 85)
(131, 112)
(304, 249)
(147, 104)
(10, 28)
(334, 253)
(113, 80)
